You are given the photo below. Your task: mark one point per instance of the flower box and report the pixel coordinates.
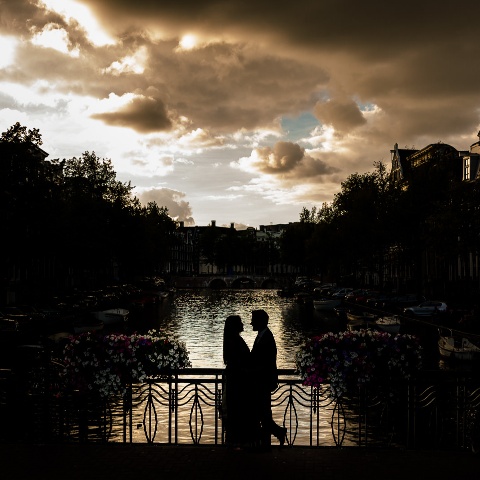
(352, 359)
(106, 364)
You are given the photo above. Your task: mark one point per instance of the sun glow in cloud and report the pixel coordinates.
(82, 14)
(201, 99)
(188, 42)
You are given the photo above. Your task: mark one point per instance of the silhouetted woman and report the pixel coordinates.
(237, 415)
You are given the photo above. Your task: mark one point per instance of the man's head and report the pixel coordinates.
(259, 320)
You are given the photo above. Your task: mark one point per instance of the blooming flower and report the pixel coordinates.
(106, 364)
(350, 359)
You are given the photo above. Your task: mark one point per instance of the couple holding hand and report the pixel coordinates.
(250, 377)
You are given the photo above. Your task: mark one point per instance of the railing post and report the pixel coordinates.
(313, 408)
(461, 412)
(171, 412)
(410, 414)
(124, 413)
(218, 408)
(361, 414)
(290, 407)
(129, 398)
(175, 407)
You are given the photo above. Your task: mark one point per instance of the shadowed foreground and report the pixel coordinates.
(118, 461)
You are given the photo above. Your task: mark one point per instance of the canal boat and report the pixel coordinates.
(8, 324)
(87, 325)
(359, 320)
(456, 348)
(389, 324)
(304, 298)
(362, 316)
(326, 303)
(112, 315)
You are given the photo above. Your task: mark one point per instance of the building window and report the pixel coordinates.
(466, 168)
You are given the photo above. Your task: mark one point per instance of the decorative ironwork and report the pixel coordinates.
(437, 409)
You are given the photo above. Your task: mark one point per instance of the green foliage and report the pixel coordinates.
(294, 243)
(76, 211)
(372, 218)
(19, 134)
(334, 238)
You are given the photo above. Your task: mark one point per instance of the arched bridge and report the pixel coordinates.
(231, 281)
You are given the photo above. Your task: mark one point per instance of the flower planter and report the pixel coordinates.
(352, 359)
(106, 365)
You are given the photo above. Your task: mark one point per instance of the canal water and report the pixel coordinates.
(197, 318)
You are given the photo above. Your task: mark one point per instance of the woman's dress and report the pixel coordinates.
(239, 420)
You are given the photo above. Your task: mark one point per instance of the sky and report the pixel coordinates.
(240, 111)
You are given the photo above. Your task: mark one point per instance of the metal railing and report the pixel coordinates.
(436, 410)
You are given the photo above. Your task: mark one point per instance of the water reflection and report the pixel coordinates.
(197, 318)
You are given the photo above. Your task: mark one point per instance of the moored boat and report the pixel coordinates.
(454, 348)
(304, 298)
(112, 315)
(389, 324)
(356, 321)
(326, 303)
(82, 326)
(9, 325)
(364, 316)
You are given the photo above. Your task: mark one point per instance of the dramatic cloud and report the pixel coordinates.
(283, 157)
(293, 96)
(343, 116)
(284, 160)
(178, 208)
(145, 115)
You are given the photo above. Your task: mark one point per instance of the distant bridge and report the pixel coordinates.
(231, 281)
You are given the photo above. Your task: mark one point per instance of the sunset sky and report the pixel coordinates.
(235, 110)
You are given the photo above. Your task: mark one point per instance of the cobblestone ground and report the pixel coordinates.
(118, 462)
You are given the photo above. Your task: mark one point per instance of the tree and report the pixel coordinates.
(98, 214)
(352, 233)
(294, 244)
(93, 179)
(158, 238)
(19, 134)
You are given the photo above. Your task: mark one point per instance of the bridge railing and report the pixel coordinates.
(436, 410)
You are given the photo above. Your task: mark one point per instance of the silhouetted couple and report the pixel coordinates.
(250, 377)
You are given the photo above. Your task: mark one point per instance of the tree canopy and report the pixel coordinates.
(82, 216)
(19, 134)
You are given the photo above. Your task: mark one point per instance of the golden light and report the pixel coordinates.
(8, 46)
(52, 37)
(82, 14)
(130, 64)
(188, 42)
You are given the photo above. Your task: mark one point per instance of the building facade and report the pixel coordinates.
(433, 271)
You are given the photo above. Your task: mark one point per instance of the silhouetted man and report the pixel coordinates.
(265, 378)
